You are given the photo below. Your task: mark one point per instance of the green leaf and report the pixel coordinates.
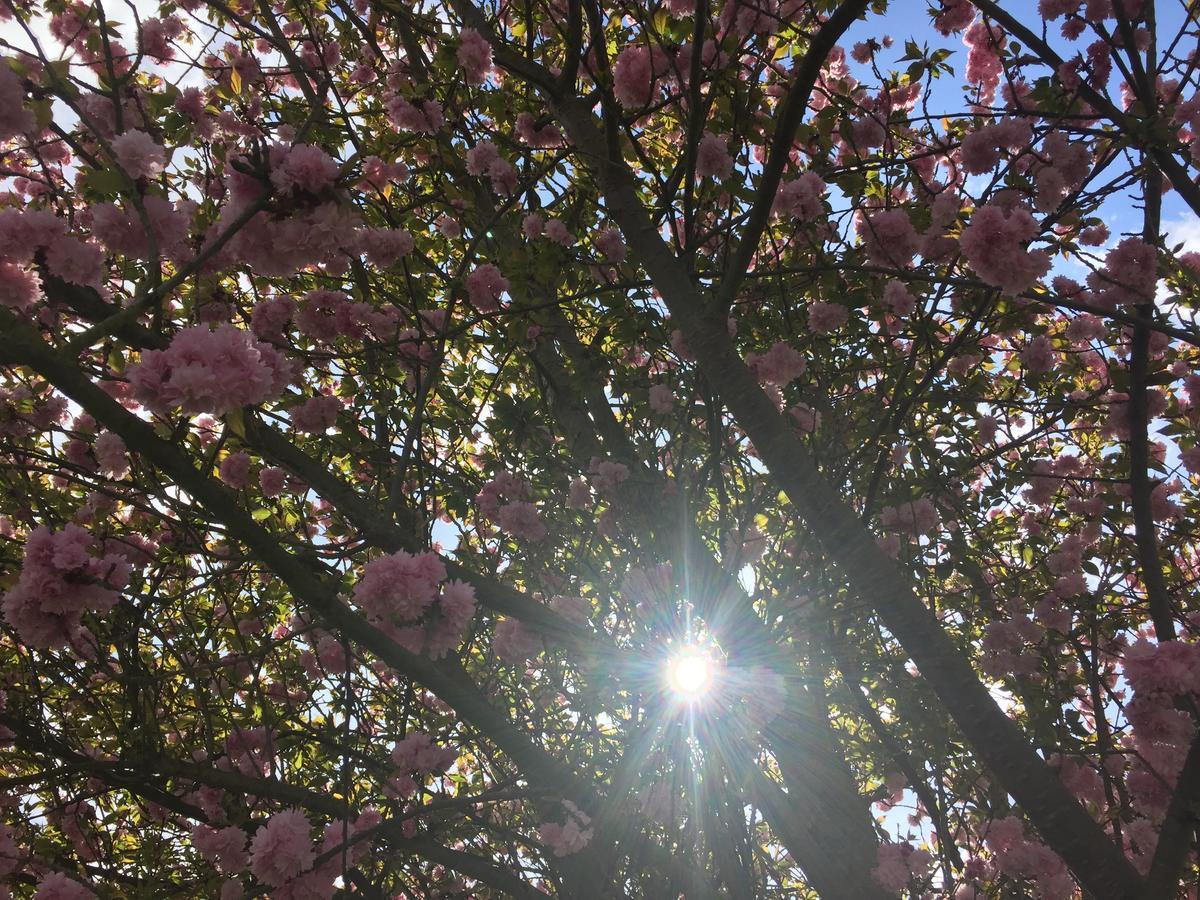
(236, 420)
(105, 181)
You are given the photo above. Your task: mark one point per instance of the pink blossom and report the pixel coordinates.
(898, 864)
(327, 315)
(570, 836)
(418, 753)
(111, 455)
(944, 211)
(514, 643)
(138, 155)
(897, 297)
(249, 749)
(745, 17)
(889, 238)
(10, 853)
(807, 418)
(24, 232)
(1020, 858)
(481, 156)
(484, 159)
(1168, 667)
(399, 587)
(274, 245)
(994, 244)
(1039, 355)
(1085, 327)
(379, 175)
(979, 152)
(1056, 9)
(425, 119)
(987, 426)
(634, 79)
(866, 133)
(432, 320)
(474, 55)
(1129, 275)
(223, 848)
(783, 364)
(610, 243)
(62, 577)
(826, 317)
(505, 486)
(607, 475)
(984, 66)
(484, 286)
(57, 886)
(14, 117)
(712, 158)
(77, 453)
(313, 885)
(383, 246)
(521, 520)
(191, 103)
(1117, 422)
(455, 610)
(918, 517)
(544, 137)
(272, 480)
(1068, 167)
(270, 318)
(282, 849)
(1071, 585)
(662, 400)
(20, 288)
(304, 168)
(802, 198)
(156, 35)
(235, 470)
(316, 415)
(556, 231)
(533, 224)
(205, 370)
(76, 261)
(122, 231)
(579, 494)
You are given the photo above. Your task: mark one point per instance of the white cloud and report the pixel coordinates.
(1183, 229)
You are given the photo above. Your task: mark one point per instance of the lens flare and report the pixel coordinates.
(690, 673)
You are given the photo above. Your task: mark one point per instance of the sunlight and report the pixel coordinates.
(690, 674)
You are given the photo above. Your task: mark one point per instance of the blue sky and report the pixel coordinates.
(910, 19)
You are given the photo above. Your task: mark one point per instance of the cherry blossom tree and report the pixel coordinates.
(674, 449)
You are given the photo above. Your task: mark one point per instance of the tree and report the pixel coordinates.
(506, 451)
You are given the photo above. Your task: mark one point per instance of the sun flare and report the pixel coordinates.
(690, 674)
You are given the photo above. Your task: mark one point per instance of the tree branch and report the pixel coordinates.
(872, 575)
(789, 120)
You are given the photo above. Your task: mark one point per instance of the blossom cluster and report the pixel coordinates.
(569, 836)
(507, 500)
(62, 577)
(209, 370)
(410, 599)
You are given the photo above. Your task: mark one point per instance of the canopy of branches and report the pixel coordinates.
(599, 448)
